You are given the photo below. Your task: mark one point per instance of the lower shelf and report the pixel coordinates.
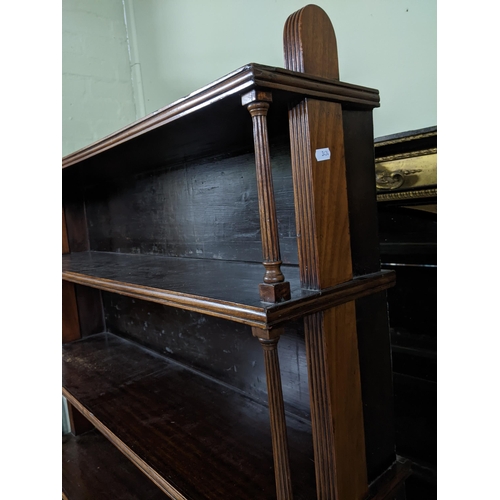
(92, 468)
(195, 438)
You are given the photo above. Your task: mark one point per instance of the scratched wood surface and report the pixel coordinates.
(221, 349)
(194, 437)
(204, 209)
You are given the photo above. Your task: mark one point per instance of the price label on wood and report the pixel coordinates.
(323, 154)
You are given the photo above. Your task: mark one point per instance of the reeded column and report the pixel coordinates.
(276, 413)
(274, 287)
(324, 250)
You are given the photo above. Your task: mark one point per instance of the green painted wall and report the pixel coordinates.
(386, 44)
(96, 78)
(176, 46)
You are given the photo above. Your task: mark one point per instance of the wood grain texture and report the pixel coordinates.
(274, 287)
(324, 249)
(336, 413)
(322, 423)
(197, 285)
(277, 418)
(238, 82)
(70, 321)
(198, 209)
(341, 351)
(221, 349)
(90, 310)
(310, 43)
(321, 209)
(92, 468)
(192, 436)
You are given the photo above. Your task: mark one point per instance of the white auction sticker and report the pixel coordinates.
(323, 154)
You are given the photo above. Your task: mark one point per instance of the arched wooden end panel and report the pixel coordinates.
(325, 258)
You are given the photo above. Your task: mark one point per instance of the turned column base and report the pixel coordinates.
(274, 292)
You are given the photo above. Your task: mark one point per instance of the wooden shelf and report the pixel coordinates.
(232, 85)
(93, 468)
(194, 437)
(226, 289)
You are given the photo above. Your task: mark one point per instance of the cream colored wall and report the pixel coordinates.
(126, 58)
(386, 44)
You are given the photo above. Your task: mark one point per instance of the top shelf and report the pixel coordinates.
(226, 289)
(287, 84)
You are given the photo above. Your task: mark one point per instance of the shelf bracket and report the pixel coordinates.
(276, 411)
(274, 287)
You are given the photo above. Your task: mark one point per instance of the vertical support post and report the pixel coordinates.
(274, 287)
(88, 307)
(70, 322)
(77, 422)
(322, 218)
(276, 412)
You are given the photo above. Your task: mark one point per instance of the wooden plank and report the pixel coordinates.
(226, 289)
(372, 312)
(90, 310)
(336, 412)
(65, 242)
(321, 193)
(322, 217)
(92, 468)
(341, 350)
(194, 437)
(241, 80)
(70, 322)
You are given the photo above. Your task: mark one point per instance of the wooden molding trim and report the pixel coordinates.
(241, 81)
(266, 317)
(277, 417)
(128, 452)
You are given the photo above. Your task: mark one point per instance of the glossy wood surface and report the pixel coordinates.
(225, 289)
(194, 437)
(92, 468)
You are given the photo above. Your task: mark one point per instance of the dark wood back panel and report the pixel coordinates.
(205, 209)
(371, 312)
(219, 348)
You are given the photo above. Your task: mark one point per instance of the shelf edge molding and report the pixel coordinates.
(127, 451)
(265, 318)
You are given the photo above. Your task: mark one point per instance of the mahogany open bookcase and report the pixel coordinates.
(225, 330)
